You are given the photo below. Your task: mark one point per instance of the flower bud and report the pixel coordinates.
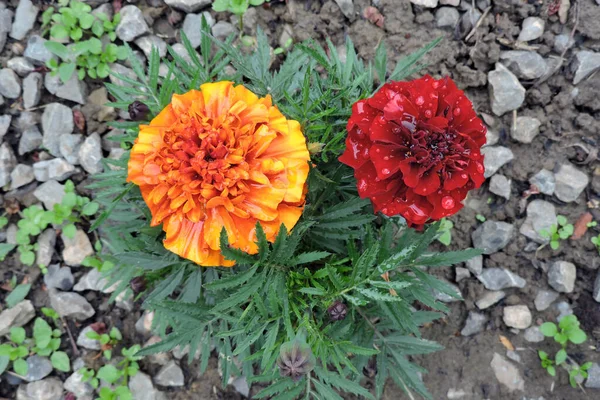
(138, 111)
(315, 148)
(295, 359)
(337, 311)
(138, 284)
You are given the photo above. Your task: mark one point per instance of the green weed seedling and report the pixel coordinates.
(64, 216)
(568, 330)
(596, 241)
(75, 22)
(107, 340)
(562, 231)
(45, 343)
(237, 7)
(445, 232)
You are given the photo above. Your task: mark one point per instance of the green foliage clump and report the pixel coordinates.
(35, 219)
(74, 21)
(107, 340)
(237, 7)
(596, 241)
(568, 330)
(45, 343)
(116, 377)
(561, 231)
(339, 251)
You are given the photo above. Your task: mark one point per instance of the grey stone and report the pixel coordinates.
(69, 146)
(593, 380)
(532, 28)
(17, 316)
(46, 242)
(507, 374)
(121, 70)
(37, 368)
(446, 17)
(73, 90)
(94, 280)
(31, 139)
(59, 278)
(183, 53)
(4, 125)
(47, 389)
(115, 154)
(146, 43)
(141, 388)
(50, 193)
(2, 43)
(7, 162)
(495, 158)
(446, 298)
(105, 9)
(461, 274)
(77, 248)
(76, 385)
(71, 305)
(489, 298)
(36, 50)
(425, 3)
(21, 175)
(157, 358)
(191, 28)
(11, 234)
(563, 309)
(596, 293)
(57, 168)
(506, 92)
(90, 154)
(585, 63)
(526, 129)
(475, 323)
(57, 120)
(188, 6)
(513, 355)
(240, 384)
(475, 265)
(544, 298)
(492, 236)
(179, 352)
(10, 84)
(527, 65)
(533, 335)
(222, 29)
(570, 182)
(518, 317)
(563, 42)
(499, 278)
(143, 326)
(6, 17)
(500, 185)
(347, 8)
(97, 101)
(86, 342)
(169, 375)
(25, 16)
(124, 301)
(453, 393)
(541, 215)
(132, 24)
(544, 180)
(561, 276)
(287, 35)
(20, 65)
(32, 90)
(28, 119)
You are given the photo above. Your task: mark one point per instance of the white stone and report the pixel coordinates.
(506, 92)
(561, 276)
(518, 317)
(525, 129)
(533, 28)
(570, 183)
(76, 249)
(425, 3)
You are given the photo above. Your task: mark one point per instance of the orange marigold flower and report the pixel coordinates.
(220, 157)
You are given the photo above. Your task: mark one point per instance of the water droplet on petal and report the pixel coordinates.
(435, 84)
(428, 113)
(385, 171)
(362, 185)
(386, 158)
(384, 210)
(456, 111)
(464, 176)
(480, 168)
(447, 202)
(420, 101)
(377, 150)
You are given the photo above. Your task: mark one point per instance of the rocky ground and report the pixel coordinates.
(530, 68)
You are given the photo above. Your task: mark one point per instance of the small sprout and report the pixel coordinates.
(596, 241)
(560, 231)
(592, 224)
(480, 218)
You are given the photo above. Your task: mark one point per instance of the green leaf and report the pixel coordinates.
(60, 361)
(404, 67)
(65, 71)
(18, 293)
(561, 219)
(102, 70)
(551, 370)
(232, 281)
(42, 333)
(543, 355)
(231, 253)
(98, 28)
(561, 356)
(108, 373)
(58, 49)
(548, 329)
(69, 231)
(20, 367)
(90, 208)
(577, 336)
(27, 257)
(381, 61)
(86, 21)
(5, 248)
(59, 32)
(4, 360)
(17, 335)
(220, 5)
(76, 34)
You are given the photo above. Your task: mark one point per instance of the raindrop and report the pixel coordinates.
(456, 111)
(480, 168)
(362, 185)
(386, 158)
(447, 202)
(385, 171)
(420, 101)
(428, 113)
(384, 210)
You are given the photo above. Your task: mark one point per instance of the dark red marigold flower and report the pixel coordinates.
(415, 149)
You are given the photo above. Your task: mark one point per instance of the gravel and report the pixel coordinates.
(69, 146)
(506, 92)
(495, 158)
(474, 324)
(222, 29)
(533, 335)
(47, 389)
(593, 380)
(425, 3)
(57, 168)
(170, 375)
(142, 388)
(541, 215)
(86, 342)
(526, 65)
(146, 43)
(446, 17)
(188, 6)
(76, 249)
(544, 299)
(533, 28)
(596, 292)
(489, 298)
(17, 316)
(57, 120)
(31, 139)
(46, 242)
(475, 265)
(518, 317)
(71, 305)
(36, 50)
(21, 175)
(25, 16)
(80, 388)
(73, 90)
(500, 185)
(7, 162)
(59, 278)
(544, 180)
(492, 236)
(4, 125)
(561, 276)
(50, 193)
(507, 373)
(20, 65)
(37, 368)
(32, 90)
(90, 154)
(526, 129)
(132, 24)
(570, 182)
(585, 63)
(10, 84)
(499, 278)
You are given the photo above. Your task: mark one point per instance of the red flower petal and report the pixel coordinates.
(357, 149)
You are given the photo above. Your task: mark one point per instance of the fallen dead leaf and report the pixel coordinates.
(374, 16)
(506, 343)
(581, 227)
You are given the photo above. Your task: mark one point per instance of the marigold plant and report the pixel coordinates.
(325, 284)
(216, 158)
